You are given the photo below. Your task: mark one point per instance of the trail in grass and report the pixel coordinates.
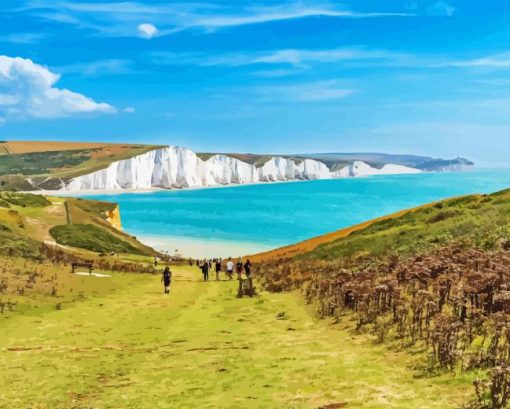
(201, 347)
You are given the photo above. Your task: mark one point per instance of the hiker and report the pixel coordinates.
(239, 268)
(190, 262)
(210, 264)
(205, 270)
(230, 268)
(218, 269)
(155, 261)
(198, 263)
(167, 279)
(247, 268)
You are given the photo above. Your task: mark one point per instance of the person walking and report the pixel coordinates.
(190, 262)
(167, 279)
(239, 268)
(218, 269)
(247, 268)
(230, 268)
(205, 270)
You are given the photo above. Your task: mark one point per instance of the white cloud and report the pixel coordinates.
(28, 89)
(295, 57)
(319, 91)
(121, 18)
(501, 61)
(98, 68)
(147, 30)
(129, 110)
(440, 8)
(22, 38)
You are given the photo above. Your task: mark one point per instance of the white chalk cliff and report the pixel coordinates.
(359, 168)
(176, 167)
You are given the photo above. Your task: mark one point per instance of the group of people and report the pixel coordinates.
(206, 266)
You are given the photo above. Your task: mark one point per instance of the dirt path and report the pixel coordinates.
(200, 347)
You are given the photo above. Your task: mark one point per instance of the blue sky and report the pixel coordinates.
(426, 77)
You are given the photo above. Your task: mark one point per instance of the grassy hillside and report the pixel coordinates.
(484, 218)
(435, 278)
(28, 221)
(124, 344)
(44, 165)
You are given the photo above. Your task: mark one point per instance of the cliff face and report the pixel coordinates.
(113, 217)
(359, 168)
(175, 167)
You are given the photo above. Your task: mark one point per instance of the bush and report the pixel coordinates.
(24, 199)
(494, 392)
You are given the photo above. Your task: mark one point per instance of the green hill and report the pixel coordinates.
(28, 221)
(45, 165)
(434, 279)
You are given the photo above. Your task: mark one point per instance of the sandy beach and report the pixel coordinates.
(100, 192)
(202, 248)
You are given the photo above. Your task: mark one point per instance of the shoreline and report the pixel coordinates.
(187, 247)
(112, 192)
(161, 189)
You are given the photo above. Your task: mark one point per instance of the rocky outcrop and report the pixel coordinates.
(176, 167)
(113, 217)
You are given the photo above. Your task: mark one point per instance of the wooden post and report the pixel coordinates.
(240, 292)
(251, 286)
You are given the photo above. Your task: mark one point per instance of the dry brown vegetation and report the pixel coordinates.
(436, 278)
(19, 147)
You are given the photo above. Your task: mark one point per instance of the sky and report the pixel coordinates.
(423, 77)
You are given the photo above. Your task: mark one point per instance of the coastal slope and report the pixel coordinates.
(30, 224)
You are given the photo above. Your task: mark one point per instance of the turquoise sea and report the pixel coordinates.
(251, 218)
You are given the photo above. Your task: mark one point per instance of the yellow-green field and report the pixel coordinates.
(124, 344)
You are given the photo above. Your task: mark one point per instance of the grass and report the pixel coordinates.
(29, 220)
(23, 199)
(125, 344)
(90, 237)
(482, 217)
(48, 166)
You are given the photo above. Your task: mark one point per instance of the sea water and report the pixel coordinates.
(250, 218)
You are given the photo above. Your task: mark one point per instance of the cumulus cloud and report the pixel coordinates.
(129, 110)
(28, 89)
(147, 30)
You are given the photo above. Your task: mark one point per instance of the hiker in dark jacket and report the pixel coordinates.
(247, 268)
(205, 270)
(218, 269)
(239, 268)
(167, 279)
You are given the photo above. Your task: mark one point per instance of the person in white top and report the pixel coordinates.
(230, 268)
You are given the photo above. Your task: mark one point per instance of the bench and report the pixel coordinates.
(84, 265)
